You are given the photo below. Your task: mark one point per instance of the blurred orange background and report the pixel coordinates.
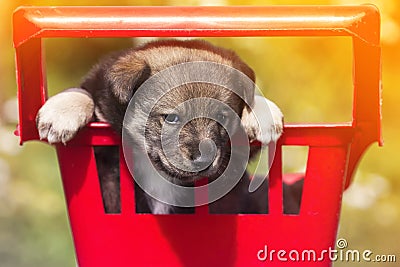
(309, 78)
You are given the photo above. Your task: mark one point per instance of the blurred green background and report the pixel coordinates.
(309, 78)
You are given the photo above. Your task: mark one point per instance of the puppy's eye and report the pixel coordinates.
(172, 118)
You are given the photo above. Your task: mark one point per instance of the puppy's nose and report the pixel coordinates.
(202, 160)
(208, 152)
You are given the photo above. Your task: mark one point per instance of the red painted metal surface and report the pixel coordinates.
(202, 239)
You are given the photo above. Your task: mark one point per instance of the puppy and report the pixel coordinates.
(202, 130)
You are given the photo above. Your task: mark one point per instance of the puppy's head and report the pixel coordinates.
(185, 119)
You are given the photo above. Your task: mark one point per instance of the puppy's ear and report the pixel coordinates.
(261, 118)
(263, 122)
(248, 91)
(126, 75)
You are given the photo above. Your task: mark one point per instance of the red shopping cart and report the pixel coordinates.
(202, 239)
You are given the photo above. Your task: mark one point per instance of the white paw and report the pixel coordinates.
(60, 118)
(265, 122)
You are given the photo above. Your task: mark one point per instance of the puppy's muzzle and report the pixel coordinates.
(205, 156)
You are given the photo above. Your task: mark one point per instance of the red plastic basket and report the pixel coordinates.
(202, 239)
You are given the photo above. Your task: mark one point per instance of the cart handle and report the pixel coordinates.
(361, 22)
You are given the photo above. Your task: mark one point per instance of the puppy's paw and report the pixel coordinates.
(60, 118)
(265, 122)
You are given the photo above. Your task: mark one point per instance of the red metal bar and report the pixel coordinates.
(201, 196)
(275, 191)
(127, 187)
(32, 89)
(42, 22)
